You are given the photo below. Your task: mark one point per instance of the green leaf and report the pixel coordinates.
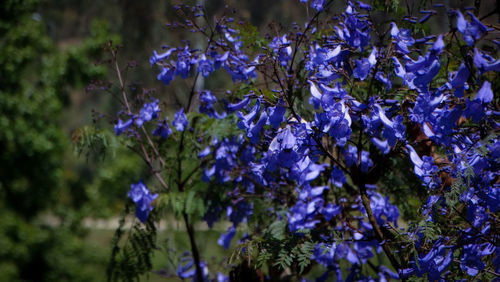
(277, 229)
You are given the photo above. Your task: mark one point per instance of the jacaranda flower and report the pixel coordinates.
(180, 120)
(142, 198)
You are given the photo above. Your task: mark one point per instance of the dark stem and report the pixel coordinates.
(191, 93)
(371, 217)
(489, 15)
(378, 233)
(194, 248)
(181, 183)
(189, 226)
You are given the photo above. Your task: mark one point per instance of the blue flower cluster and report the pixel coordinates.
(142, 198)
(318, 167)
(236, 63)
(148, 112)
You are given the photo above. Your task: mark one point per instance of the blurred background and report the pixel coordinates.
(60, 203)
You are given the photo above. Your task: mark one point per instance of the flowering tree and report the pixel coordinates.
(347, 143)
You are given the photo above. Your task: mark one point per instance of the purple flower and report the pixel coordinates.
(308, 170)
(336, 92)
(471, 31)
(326, 99)
(281, 46)
(281, 160)
(254, 130)
(363, 251)
(180, 121)
(458, 80)
(337, 177)
(425, 18)
(417, 74)
(351, 155)
(205, 66)
(324, 254)
(437, 47)
(233, 39)
(365, 65)
(241, 71)
(495, 149)
(222, 278)
(471, 257)
(163, 130)
(383, 209)
(277, 114)
(351, 158)
(321, 56)
(182, 68)
(220, 60)
(386, 274)
(485, 63)
(355, 30)
(385, 80)
(336, 121)
(496, 260)
(207, 100)
(212, 214)
(364, 6)
(238, 106)
(484, 95)
(166, 75)
(433, 263)
(142, 197)
(383, 145)
(239, 212)
(424, 39)
(204, 153)
(225, 239)
(394, 129)
(187, 269)
(403, 39)
(155, 58)
(245, 120)
(183, 64)
(283, 145)
(122, 126)
(317, 4)
(424, 107)
(299, 216)
(148, 112)
(331, 210)
(425, 169)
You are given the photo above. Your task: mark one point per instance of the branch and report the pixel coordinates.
(146, 156)
(194, 248)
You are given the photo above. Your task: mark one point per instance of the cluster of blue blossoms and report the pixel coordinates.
(142, 198)
(328, 155)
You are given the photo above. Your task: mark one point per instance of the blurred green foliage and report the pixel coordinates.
(41, 236)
